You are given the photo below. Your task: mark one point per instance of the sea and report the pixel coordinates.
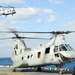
(8, 62)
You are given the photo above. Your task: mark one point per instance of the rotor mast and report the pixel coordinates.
(58, 38)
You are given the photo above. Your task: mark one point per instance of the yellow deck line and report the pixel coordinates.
(12, 73)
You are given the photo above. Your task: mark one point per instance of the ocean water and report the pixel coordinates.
(8, 62)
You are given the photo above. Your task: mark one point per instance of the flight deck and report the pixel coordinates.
(8, 71)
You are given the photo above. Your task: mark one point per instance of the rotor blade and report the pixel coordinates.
(34, 38)
(10, 6)
(21, 32)
(53, 32)
(5, 6)
(24, 38)
(5, 38)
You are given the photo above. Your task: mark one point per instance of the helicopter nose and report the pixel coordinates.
(73, 54)
(68, 54)
(14, 11)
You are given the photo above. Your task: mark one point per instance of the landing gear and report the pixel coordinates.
(14, 70)
(39, 69)
(62, 71)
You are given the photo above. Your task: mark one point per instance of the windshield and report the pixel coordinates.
(62, 48)
(69, 47)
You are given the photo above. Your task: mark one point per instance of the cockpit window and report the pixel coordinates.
(62, 48)
(69, 47)
(56, 49)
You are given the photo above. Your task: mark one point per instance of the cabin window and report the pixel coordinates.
(16, 46)
(15, 52)
(22, 58)
(57, 55)
(56, 49)
(28, 57)
(47, 50)
(31, 56)
(39, 54)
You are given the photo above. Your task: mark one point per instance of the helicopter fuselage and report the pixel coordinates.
(45, 55)
(7, 12)
(57, 52)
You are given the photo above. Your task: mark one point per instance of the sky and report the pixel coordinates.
(37, 15)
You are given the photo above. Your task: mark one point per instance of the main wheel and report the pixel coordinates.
(14, 70)
(39, 69)
(62, 71)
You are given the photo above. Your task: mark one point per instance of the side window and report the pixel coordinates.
(39, 54)
(16, 46)
(31, 56)
(57, 55)
(47, 50)
(15, 52)
(56, 49)
(22, 58)
(28, 57)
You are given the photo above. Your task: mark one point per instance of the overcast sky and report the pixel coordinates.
(37, 15)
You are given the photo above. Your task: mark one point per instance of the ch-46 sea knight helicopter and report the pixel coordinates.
(57, 52)
(9, 11)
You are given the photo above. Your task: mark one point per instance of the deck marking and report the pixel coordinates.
(12, 73)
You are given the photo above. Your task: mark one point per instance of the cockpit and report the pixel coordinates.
(65, 51)
(63, 47)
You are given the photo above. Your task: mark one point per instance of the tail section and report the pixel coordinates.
(1, 9)
(19, 45)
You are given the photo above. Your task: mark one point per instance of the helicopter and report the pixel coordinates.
(56, 52)
(6, 12)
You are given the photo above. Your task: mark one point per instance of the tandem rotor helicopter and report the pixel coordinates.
(57, 52)
(6, 12)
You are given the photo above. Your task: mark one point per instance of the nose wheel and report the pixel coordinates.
(62, 71)
(14, 70)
